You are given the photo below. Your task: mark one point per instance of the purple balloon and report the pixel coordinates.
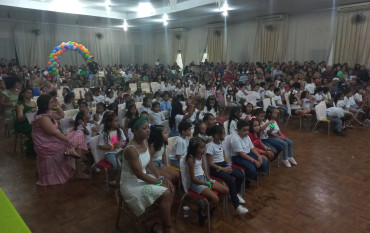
(74, 48)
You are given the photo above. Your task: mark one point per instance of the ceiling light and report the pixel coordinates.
(225, 7)
(145, 9)
(165, 17)
(108, 5)
(165, 23)
(225, 13)
(125, 26)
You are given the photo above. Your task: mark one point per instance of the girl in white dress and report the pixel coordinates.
(139, 189)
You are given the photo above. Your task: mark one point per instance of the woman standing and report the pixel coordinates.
(9, 98)
(21, 124)
(140, 190)
(54, 148)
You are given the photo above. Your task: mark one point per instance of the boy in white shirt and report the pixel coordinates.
(180, 146)
(279, 102)
(257, 94)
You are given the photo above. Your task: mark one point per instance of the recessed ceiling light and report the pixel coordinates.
(125, 26)
(145, 9)
(225, 13)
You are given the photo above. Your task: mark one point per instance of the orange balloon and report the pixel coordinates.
(55, 58)
(50, 63)
(80, 46)
(74, 43)
(61, 45)
(87, 52)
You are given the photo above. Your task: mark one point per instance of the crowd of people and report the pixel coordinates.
(195, 98)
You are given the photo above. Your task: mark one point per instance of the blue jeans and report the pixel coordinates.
(174, 133)
(287, 146)
(111, 158)
(275, 149)
(284, 110)
(337, 122)
(175, 163)
(250, 168)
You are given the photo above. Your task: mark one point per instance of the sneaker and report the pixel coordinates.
(286, 163)
(292, 161)
(241, 210)
(112, 183)
(97, 170)
(241, 200)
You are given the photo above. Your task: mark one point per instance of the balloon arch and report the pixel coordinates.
(55, 56)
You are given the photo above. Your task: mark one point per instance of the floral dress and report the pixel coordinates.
(53, 166)
(136, 193)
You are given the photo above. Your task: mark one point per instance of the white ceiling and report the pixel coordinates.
(187, 13)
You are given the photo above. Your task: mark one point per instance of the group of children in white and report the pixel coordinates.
(251, 135)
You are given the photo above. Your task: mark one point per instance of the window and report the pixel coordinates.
(205, 56)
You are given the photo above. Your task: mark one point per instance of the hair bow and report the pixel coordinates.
(250, 118)
(294, 92)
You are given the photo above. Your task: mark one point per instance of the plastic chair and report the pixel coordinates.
(154, 86)
(290, 113)
(121, 114)
(266, 103)
(99, 160)
(133, 86)
(70, 113)
(166, 114)
(166, 125)
(320, 110)
(226, 127)
(169, 147)
(66, 124)
(145, 87)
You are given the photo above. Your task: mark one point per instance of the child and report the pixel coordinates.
(306, 100)
(211, 106)
(296, 108)
(179, 91)
(201, 183)
(139, 95)
(244, 154)
(111, 141)
(348, 115)
(157, 97)
(165, 103)
(119, 100)
(89, 100)
(100, 109)
(254, 135)
(109, 99)
(221, 168)
(257, 94)
(209, 119)
(180, 146)
(97, 97)
(276, 138)
(200, 131)
(247, 109)
(147, 105)
(157, 148)
(69, 101)
(198, 111)
(130, 114)
(177, 115)
(235, 115)
(270, 92)
(81, 123)
(157, 115)
(279, 102)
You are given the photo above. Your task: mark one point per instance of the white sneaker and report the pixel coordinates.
(241, 210)
(292, 161)
(286, 163)
(241, 200)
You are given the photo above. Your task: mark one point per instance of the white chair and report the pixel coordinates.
(226, 127)
(70, 113)
(154, 86)
(145, 87)
(121, 114)
(138, 105)
(133, 86)
(290, 112)
(250, 98)
(202, 92)
(266, 103)
(320, 110)
(187, 92)
(166, 114)
(166, 125)
(99, 160)
(66, 125)
(79, 93)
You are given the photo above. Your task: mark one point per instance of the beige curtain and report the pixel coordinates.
(351, 43)
(216, 44)
(179, 42)
(271, 40)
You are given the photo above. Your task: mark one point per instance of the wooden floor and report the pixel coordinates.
(329, 191)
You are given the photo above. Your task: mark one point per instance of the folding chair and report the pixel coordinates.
(169, 147)
(133, 87)
(320, 110)
(145, 87)
(290, 113)
(99, 160)
(154, 86)
(266, 103)
(226, 127)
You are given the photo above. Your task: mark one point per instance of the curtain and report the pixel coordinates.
(351, 43)
(310, 36)
(179, 43)
(216, 44)
(197, 43)
(271, 40)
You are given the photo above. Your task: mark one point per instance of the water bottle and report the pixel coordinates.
(186, 211)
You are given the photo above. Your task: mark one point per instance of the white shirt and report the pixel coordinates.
(310, 87)
(240, 95)
(212, 111)
(278, 100)
(263, 134)
(233, 128)
(139, 98)
(109, 101)
(112, 138)
(194, 116)
(98, 99)
(216, 150)
(239, 144)
(351, 100)
(269, 94)
(335, 112)
(158, 117)
(343, 104)
(358, 97)
(257, 94)
(178, 119)
(318, 98)
(180, 147)
(306, 103)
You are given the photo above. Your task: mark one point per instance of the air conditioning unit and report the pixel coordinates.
(354, 7)
(270, 18)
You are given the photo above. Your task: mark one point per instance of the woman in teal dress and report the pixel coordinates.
(21, 124)
(9, 99)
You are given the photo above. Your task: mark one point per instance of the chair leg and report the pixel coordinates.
(91, 171)
(287, 120)
(119, 212)
(15, 142)
(300, 123)
(106, 179)
(328, 129)
(317, 122)
(208, 216)
(179, 209)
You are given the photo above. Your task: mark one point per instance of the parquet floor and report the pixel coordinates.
(329, 191)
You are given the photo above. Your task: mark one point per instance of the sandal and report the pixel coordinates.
(71, 152)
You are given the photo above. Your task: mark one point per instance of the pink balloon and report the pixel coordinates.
(74, 48)
(64, 49)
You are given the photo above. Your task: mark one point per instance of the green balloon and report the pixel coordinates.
(54, 69)
(87, 61)
(69, 42)
(51, 56)
(55, 63)
(87, 55)
(50, 72)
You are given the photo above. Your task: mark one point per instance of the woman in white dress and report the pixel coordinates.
(139, 189)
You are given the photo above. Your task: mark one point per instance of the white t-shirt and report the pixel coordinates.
(343, 104)
(310, 87)
(180, 147)
(98, 99)
(351, 100)
(278, 100)
(194, 116)
(158, 117)
(212, 111)
(257, 94)
(306, 103)
(358, 97)
(112, 138)
(240, 95)
(233, 128)
(263, 134)
(239, 144)
(276, 128)
(217, 152)
(269, 94)
(109, 101)
(318, 98)
(139, 98)
(178, 119)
